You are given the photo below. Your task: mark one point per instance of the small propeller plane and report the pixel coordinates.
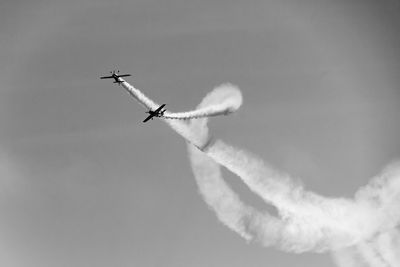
(115, 75)
(159, 112)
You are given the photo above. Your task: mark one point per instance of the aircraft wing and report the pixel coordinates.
(124, 75)
(106, 77)
(148, 117)
(159, 109)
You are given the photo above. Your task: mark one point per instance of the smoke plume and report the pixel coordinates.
(359, 231)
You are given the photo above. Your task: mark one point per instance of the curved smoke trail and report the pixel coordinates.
(229, 102)
(359, 230)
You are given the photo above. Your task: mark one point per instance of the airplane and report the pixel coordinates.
(156, 113)
(115, 75)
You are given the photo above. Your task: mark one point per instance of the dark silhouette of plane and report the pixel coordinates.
(116, 76)
(156, 113)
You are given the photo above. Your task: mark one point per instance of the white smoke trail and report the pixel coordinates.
(389, 246)
(244, 220)
(371, 255)
(230, 102)
(308, 222)
(381, 250)
(315, 223)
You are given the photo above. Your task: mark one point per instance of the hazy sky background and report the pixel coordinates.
(84, 183)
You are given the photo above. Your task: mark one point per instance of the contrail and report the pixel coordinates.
(358, 231)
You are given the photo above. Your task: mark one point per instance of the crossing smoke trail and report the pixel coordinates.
(358, 231)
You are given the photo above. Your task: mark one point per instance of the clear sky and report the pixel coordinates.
(84, 183)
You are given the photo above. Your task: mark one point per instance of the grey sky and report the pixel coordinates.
(84, 183)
